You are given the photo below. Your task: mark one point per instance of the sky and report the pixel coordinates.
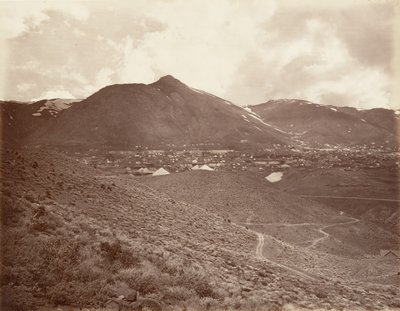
(246, 51)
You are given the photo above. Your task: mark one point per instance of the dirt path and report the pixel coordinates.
(277, 224)
(260, 245)
(325, 234)
(315, 241)
(351, 198)
(259, 254)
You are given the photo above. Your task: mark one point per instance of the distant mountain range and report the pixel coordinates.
(168, 112)
(316, 124)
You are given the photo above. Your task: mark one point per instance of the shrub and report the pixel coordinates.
(10, 211)
(321, 294)
(145, 279)
(178, 293)
(44, 221)
(115, 252)
(197, 279)
(208, 302)
(31, 198)
(16, 298)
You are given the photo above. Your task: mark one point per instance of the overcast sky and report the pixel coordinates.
(245, 51)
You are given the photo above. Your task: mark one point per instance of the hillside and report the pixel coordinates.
(297, 231)
(239, 196)
(71, 238)
(19, 120)
(166, 112)
(318, 125)
(327, 184)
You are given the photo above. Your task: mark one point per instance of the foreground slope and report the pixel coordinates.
(166, 112)
(71, 238)
(373, 194)
(298, 232)
(317, 125)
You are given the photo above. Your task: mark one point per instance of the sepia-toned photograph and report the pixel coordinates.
(200, 155)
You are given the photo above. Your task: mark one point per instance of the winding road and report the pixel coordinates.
(325, 235)
(259, 254)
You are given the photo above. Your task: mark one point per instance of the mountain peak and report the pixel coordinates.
(168, 80)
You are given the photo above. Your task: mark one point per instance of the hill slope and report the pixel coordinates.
(300, 233)
(238, 196)
(20, 120)
(70, 238)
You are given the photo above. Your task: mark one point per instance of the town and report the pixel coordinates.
(145, 161)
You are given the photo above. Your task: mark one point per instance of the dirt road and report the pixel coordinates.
(259, 254)
(325, 234)
(315, 241)
(350, 198)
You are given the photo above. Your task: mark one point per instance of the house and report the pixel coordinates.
(195, 168)
(205, 167)
(160, 172)
(390, 253)
(144, 171)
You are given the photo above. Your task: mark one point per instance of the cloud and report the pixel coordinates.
(245, 51)
(55, 94)
(201, 44)
(310, 59)
(24, 87)
(363, 88)
(18, 17)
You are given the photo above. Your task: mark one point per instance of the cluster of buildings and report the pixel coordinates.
(145, 162)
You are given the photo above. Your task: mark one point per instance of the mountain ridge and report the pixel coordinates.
(318, 124)
(168, 112)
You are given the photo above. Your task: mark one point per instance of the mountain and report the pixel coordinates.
(168, 112)
(157, 114)
(318, 125)
(19, 120)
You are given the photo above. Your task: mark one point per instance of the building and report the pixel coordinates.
(205, 167)
(390, 253)
(160, 172)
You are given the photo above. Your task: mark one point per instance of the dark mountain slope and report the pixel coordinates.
(20, 120)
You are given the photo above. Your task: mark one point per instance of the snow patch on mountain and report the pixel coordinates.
(54, 106)
(245, 118)
(258, 118)
(197, 91)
